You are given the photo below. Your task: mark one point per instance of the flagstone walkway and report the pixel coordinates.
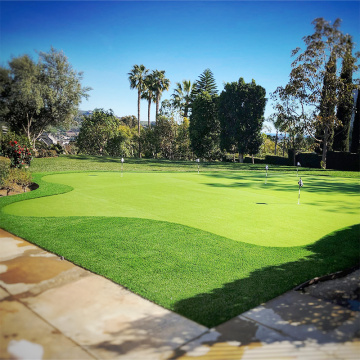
(52, 309)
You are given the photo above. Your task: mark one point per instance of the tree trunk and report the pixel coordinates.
(284, 144)
(252, 159)
(294, 156)
(139, 97)
(324, 149)
(157, 107)
(276, 140)
(241, 158)
(149, 107)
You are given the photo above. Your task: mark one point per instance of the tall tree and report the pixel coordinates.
(346, 99)
(35, 96)
(355, 139)
(161, 83)
(182, 96)
(137, 81)
(205, 126)
(313, 79)
(326, 117)
(205, 83)
(149, 93)
(96, 130)
(241, 114)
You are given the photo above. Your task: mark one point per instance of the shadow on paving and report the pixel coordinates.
(331, 253)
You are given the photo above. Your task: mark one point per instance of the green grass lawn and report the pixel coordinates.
(208, 246)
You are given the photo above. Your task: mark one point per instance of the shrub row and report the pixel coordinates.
(41, 153)
(248, 160)
(276, 160)
(343, 161)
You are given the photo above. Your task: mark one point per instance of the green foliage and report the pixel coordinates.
(204, 126)
(123, 143)
(96, 130)
(15, 178)
(311, 95)
(41, 153)
(4, 168)
(182, 96)
(17, 149)
(241, 114)
(129, 120)
(37, 95)
(160, 83)
(205, 83)
(346, 100)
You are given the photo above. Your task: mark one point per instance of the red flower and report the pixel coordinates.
(15, 142)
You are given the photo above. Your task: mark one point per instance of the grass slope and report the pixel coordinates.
(201, 275)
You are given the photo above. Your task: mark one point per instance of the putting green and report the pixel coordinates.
(239, 206)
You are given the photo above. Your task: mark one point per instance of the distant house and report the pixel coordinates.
(48, 139)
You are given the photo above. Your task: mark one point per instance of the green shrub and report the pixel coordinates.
(4, 168)
(42, 153)
(17, 178)
(17, 148)
(277, 160)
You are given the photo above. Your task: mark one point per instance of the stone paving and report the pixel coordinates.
(52, 309)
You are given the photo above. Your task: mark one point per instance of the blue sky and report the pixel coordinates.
(249, 39)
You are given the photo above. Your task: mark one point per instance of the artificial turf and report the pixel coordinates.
(205, 275)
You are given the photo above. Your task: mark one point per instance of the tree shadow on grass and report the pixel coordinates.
(334, 252)
(311, 184)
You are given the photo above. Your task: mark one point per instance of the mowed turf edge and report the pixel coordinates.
(204, 277)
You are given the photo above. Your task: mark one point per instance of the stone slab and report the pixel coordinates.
(243, 338)
(24, 335)
(304, 317)
(111, 322)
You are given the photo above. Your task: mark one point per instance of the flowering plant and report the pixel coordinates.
(20, 156)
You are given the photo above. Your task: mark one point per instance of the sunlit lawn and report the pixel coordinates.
(208, 245)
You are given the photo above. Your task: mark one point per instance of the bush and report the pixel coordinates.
(42, 153)
(17, 178)
(276, 160)
(20, 156)
(4, 168)
(17, 149)
(310, 160)
(338, 160)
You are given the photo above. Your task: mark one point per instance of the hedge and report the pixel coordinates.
(343, 161)
(276, 160)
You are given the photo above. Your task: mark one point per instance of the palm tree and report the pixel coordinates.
(182, 96)
(149, 92)
(161, 83)
(137, 81)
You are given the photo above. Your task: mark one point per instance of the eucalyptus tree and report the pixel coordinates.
(182, 96)
(346, 98)
(161, 83)
(137, 81)
(35, 96)
(149, 93)
(314, 81)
